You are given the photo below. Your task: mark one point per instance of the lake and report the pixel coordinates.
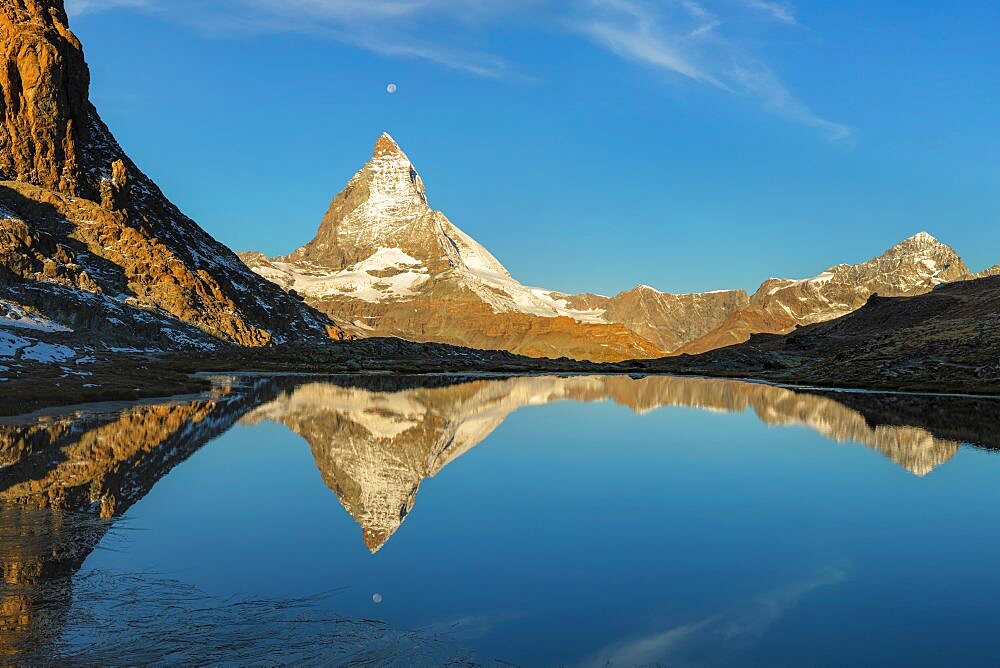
(536, 521)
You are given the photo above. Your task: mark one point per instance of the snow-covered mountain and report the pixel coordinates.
(388, 263)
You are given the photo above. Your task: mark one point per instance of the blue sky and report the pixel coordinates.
(590, 144)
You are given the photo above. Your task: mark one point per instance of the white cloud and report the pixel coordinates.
(690, 39)
(633, 35)
(683, 38)
(777, 11)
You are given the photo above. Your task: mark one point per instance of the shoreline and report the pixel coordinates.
(26, 398)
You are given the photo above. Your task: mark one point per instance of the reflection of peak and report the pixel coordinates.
(375, 448)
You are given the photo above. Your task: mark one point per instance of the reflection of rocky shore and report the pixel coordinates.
(374, 448)
(61, 478)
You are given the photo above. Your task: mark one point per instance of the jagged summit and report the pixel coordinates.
(386, 145)
(932, 259)
(919, 243)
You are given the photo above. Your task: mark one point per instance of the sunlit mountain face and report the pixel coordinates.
(66, 479)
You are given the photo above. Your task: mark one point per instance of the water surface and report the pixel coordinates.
(543, 521)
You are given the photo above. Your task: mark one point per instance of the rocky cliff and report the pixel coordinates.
(77, 213)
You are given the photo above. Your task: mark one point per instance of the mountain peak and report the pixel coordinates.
(921, 242)
(385, 145)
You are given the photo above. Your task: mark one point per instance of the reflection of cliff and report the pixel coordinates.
(374, 448)
(40, 549)
(62, 478)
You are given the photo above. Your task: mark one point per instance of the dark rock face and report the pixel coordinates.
(46, 135)
(69, 182)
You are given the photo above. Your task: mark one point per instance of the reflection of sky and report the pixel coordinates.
(580, 532)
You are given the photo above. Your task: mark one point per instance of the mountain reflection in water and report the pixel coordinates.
(65, 478)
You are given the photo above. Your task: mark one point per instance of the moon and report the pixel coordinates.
(391, 89)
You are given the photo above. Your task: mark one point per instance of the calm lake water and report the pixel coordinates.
(541, 521)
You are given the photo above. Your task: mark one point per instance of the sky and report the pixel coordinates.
(591, 145)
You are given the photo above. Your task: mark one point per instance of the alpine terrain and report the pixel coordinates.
(389, 264)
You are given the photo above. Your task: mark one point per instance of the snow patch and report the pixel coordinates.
(15, 315)
(11, 344)
(404, 274)
(48, 353)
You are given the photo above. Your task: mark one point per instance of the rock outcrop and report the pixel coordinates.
(76, 212)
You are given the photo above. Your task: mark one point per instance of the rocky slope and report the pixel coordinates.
(85, 236)
(667, 320)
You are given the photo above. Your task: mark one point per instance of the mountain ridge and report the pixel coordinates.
(387, 263)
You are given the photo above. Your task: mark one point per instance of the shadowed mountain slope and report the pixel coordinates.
(83, 231)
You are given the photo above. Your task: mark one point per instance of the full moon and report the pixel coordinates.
(391, 89)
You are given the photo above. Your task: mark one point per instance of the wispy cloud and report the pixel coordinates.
(716, 637)
(777, 11)
(629, 31)
(690, 39)
(683, 37)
